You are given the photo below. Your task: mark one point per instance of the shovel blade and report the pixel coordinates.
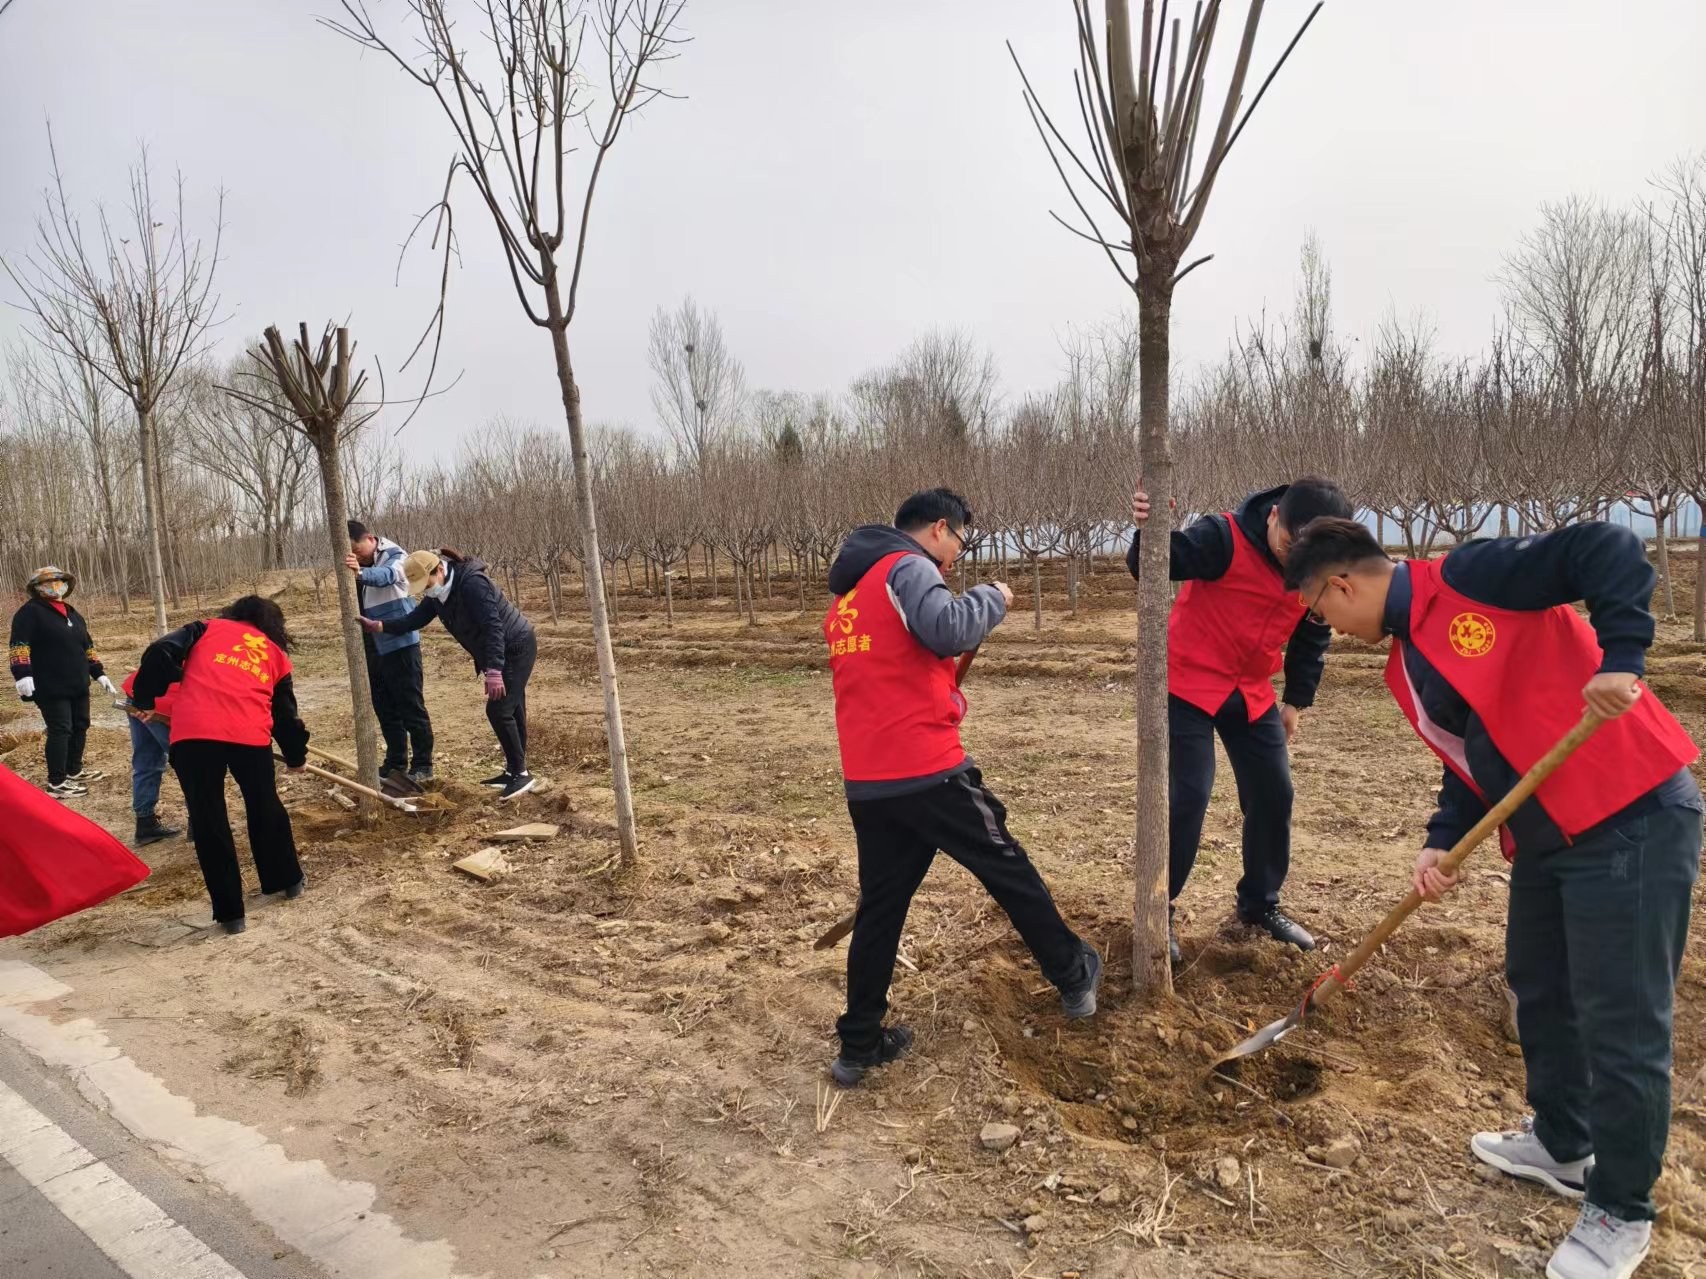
(1266, 1037)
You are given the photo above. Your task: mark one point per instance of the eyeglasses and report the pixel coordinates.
(956, 534)
(1315, 604)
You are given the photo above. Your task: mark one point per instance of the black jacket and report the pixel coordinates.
(1202, 552)
(476, 612)
(1601, 564)
(163, 664)
(54, 651)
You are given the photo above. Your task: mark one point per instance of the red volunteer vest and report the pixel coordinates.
(226, 692)
(1522, 673)
(1229, 635)
(162, 704)
(897, 705)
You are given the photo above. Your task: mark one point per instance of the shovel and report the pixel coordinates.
(401, 805)
(1339, 976)
(396, 779)
(845, 926)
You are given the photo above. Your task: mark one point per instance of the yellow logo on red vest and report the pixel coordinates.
(1472, 635)
(844, 620)
(250, 656)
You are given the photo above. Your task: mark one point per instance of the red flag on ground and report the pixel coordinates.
(54, 862)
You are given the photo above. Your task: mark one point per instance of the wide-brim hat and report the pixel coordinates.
(418, 566)
(50, 573)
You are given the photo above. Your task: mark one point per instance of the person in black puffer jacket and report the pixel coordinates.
(458, 591)
(53, 660)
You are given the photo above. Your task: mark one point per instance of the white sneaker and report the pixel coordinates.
(1520, 1154)
(1601, 1247)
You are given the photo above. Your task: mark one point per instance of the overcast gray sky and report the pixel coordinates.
(842, 177)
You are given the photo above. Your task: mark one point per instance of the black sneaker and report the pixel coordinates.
(420, 774)
(151, 830)
(1281, 927)
(1080, 1001)
(234, 926)
(520, 784)
(85, 775)
(293, 892)
(848, 1071)
(499, 782)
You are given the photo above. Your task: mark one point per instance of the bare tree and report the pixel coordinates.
(513, 138)
(1142, 145)
(1678, 392)
(244, 447)
(314, 390)
(699, 387)
(134, 309)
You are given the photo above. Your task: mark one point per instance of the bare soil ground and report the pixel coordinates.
(576, 1072)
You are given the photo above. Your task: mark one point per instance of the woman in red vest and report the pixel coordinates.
(234, 697)
(1491, 667)
(1231, 622)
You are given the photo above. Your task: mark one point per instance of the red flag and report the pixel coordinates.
(54, 862)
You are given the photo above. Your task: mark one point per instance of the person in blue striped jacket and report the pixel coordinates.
(393, 661)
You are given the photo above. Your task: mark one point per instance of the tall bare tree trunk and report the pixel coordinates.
(1151, 972)
(151, 519)
(1700, 585)
(1037, 593)
(668, 598)
(355, 650)
(590, 556)
(1663, 542)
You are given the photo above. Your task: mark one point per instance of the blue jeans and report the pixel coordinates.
(1595, 940)
(147, 762)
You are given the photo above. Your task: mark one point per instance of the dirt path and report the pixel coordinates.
(571, 1073)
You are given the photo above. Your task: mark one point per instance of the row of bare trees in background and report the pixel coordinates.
(1590, 401)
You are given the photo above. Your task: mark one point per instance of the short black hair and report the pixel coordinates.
(261, 613)
(1328, 543)
(922, 509)
(357, 531)
(1311, 498)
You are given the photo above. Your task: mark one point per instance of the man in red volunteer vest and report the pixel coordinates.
(893, 632)
(1491, 666)
(1225, 636)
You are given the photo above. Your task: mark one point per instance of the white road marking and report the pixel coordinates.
(122, 1222)
(331, 1221)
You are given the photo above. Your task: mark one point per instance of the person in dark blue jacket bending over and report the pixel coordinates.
(457, 590)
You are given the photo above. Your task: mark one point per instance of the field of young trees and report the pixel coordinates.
(1588, 401)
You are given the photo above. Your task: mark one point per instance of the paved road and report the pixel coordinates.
(77, 1191)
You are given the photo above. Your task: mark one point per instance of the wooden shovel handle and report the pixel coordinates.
(330, 758)
(1496, 816)
(964, 666)
(347, 784)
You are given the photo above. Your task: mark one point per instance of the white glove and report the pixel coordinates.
(112, 689)
(27, 687)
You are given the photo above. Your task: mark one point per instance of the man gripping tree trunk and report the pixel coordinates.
(1225, 638)
(394, 677)
(1491, 665)
(894, 630)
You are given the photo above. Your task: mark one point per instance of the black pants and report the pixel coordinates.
(508, 714)
(67, 720)
(898, 839)
(1263, 772)
(1592, 950)
(394, 684)
(201, 767)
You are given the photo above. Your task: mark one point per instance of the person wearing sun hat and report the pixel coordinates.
(457, 590)
(53, 660)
